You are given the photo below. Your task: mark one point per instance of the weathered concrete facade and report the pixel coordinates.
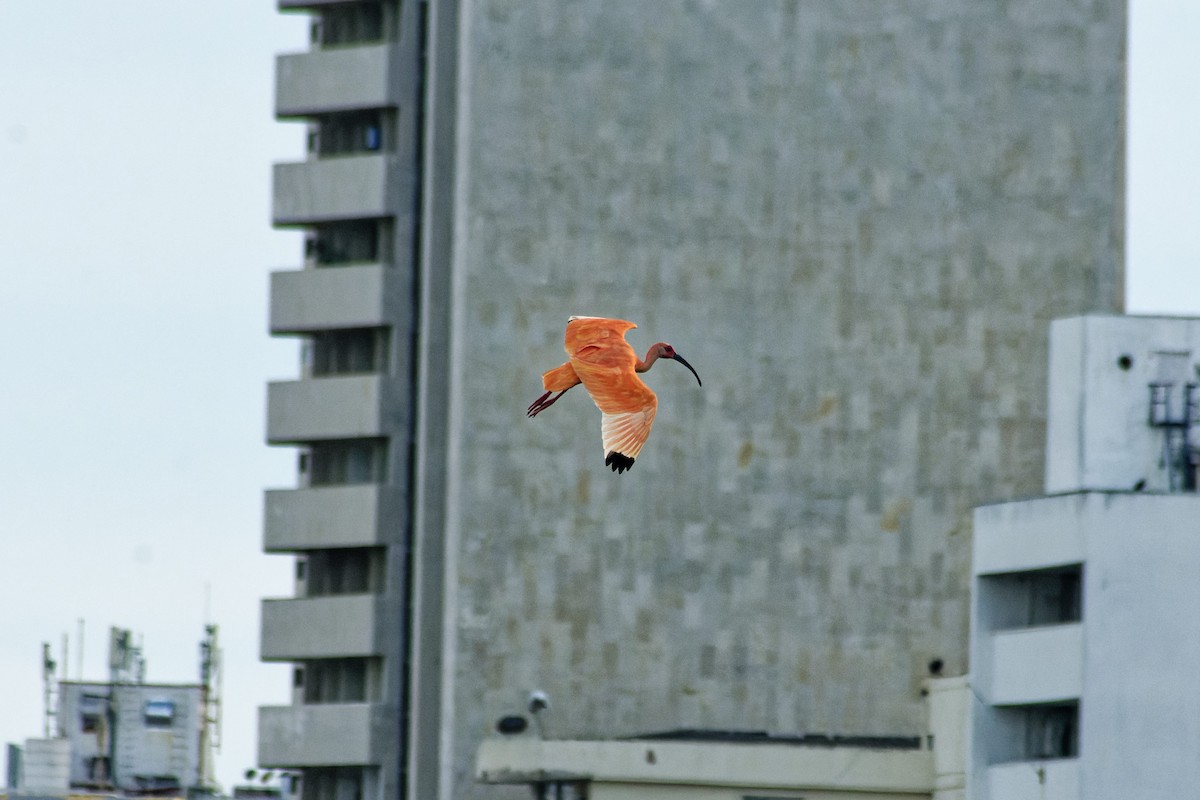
(856, 220)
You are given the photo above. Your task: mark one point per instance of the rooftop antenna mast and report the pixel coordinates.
(210, 681)
(1180, 454)
(48, 687)
(79, 672)
(126, 664)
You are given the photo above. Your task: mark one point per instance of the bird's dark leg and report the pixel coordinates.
(543, 402)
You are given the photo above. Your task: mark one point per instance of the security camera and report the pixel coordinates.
(538, 701)
(512, 724)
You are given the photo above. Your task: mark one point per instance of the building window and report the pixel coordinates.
(342, 680)
(332, 783)
(347, 462)
(1034, 732)
(355, 241)
(1037, 597)
(356, 570)
(159, 713)
(89, 723)
(348, 352)
(1051, 731)
(350, 24)
(352, 132)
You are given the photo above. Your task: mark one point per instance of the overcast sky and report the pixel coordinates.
(135, 144)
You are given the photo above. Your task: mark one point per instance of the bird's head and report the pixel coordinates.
(667, 351)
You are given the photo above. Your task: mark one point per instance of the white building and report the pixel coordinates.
(1084, 638)
(137, 737)
(124, 736)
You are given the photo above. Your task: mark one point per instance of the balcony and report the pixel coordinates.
(334, 80)
(329, 516)
(343, 734)
(341, 188)
(300, 5)
(331, 297)
(1056, 779)
(1036, 665)
(334, 626)
(342, 407)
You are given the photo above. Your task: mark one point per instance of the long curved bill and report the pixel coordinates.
(681, 360)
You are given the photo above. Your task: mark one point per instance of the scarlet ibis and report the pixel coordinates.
(601, 359)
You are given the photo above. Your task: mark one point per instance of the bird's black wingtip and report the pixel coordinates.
(618, 462)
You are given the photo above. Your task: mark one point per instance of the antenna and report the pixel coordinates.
(79, 672)
(1179, 454)
(210, 682)
(48, 684)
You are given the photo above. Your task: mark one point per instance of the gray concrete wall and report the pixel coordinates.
(856, 220)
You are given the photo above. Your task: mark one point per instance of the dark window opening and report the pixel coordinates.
(1052, 731)
(352, 132)
(349, 351)
(358, 23)
(356, 570)
(1038, 597)
(332, 783)
(342, 680)
(1034, 732)
(348, 462)
(348, 242)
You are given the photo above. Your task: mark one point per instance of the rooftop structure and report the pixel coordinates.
(124, 736)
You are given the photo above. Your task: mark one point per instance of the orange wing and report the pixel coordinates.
(559, 379)
(605, 362)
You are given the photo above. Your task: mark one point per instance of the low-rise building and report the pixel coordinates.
(1083, 634)
(123, 736)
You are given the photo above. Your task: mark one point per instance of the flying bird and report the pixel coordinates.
(601, 359)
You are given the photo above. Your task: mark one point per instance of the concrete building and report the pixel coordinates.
(1083, 640)
(351, 410)
(123, 737)
(659, 769)
(856, 220)
(139, 737)
(730, 765)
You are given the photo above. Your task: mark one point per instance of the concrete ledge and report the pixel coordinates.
(338, 79)
(341, 734)
(331, 297)
(332, 626)
(1035, 780)
(1036, 665)
(899, 773)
